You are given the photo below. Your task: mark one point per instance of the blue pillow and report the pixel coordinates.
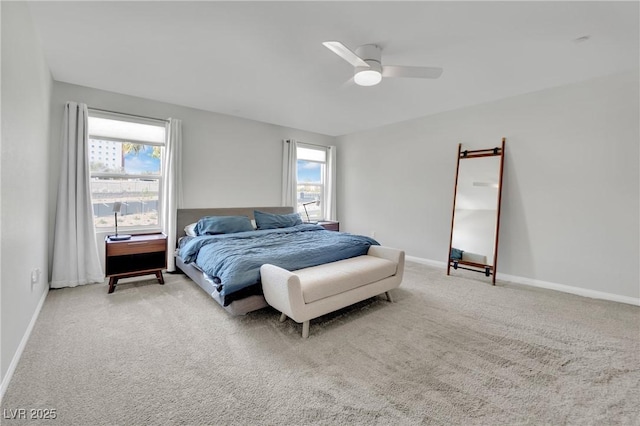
(456, 254)
(212, 225)
(272, 221)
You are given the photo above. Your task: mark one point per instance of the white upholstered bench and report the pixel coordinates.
(311, 292)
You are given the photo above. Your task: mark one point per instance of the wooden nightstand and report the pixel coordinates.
(330, 225)
(141, 255)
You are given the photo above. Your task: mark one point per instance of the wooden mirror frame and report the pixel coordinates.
(488, 270)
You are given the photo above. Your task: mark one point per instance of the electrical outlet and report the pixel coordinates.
(35, 276)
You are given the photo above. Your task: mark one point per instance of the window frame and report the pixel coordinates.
(323, 178)
(160, 177)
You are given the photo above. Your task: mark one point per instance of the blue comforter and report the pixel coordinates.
(234, 260)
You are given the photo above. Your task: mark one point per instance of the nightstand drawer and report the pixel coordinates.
(136, 247)
(330, 225)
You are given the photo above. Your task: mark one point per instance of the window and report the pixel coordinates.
(311, 181)
(131, 172)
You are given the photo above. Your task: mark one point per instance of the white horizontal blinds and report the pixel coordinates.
(131, 118)
(122, 128)
(318, 154)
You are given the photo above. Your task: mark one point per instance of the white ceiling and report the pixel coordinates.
(265, 61)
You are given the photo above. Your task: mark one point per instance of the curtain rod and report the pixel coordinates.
(311, 144)
(132, 115)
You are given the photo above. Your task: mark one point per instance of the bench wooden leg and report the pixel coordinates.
(388, 296)
(283, 317)
(305, 329)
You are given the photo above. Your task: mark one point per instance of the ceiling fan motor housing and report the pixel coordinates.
(370, 52)
(373, 66)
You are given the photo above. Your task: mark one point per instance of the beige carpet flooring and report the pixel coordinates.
(449, 350)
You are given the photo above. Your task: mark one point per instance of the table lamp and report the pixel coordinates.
(316, 202)
(116, 209)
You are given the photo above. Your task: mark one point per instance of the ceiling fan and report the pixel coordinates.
(368, 65)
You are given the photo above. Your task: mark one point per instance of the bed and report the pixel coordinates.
(227, 265)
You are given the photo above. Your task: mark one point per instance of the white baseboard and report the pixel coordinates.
(428, 262)
(594, 294)
(23, 343)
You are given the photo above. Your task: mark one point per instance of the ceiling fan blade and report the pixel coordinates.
(411, 72)
(346, 54)
(347, 84)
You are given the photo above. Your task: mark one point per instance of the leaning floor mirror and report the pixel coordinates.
(475, 221)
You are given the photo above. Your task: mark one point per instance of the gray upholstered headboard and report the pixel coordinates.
(187, 216)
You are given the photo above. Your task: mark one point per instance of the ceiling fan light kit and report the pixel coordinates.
(367, 63)
(368, 76)
(372, 73)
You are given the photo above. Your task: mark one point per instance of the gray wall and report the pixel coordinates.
(26, 94)
(227, 161)
(571, 184)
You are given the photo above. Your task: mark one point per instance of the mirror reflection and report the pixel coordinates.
(475, 221)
